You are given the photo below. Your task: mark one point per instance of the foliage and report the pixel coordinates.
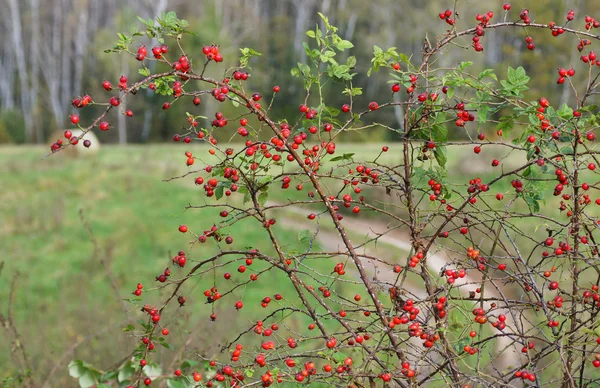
(473, 286)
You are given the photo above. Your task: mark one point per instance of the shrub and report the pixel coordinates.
(498, 284)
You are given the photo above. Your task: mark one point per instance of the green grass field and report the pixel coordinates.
(67, 291)
(69, 287)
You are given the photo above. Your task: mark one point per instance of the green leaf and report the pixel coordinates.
(487, 73)
(566, 150)
(76, 368)
(170, 17)
(247, 53)
(517, 81)
(109, 376)
(532, 202)
(188, 364)
(439, 133)
(482, 113)
(464, 65)
(351, 61)
(85, 373)
(459, 347)
(440, 155)
(347, 156)
(152, 370)
(88, 379)
(219, 192)
(133, 29)
(142, 20)
(325, 20)
(304, 69)
(172, 383)
(338, 357)
(506, 124)
(263, 181)
(343, 44)
(129, 327)
(262, 198)
(310, 33)
(304, 236)
(247, 197)
(144, 71)
(352, 92)
(589, 331)
(533, 119)
(126, 372)
(517, 76)
(565, 112)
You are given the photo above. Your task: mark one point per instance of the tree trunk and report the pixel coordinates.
(65, 54)
(17, 44)
(7, 69)
(81, 43)
(303, 16)
(36, 111)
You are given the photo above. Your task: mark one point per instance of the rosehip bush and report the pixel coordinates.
(498, 282)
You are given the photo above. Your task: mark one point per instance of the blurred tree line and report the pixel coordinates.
(53, 51)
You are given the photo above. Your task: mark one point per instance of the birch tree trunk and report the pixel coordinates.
(65, 55)
(158, 8)
(7, 68)
(35, 69)
(81, 43)
(17, 44)
(303, 10)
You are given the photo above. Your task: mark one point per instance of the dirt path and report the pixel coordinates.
(508, 353)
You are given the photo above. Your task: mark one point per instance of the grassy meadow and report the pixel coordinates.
(78, 233)
(69, 286)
